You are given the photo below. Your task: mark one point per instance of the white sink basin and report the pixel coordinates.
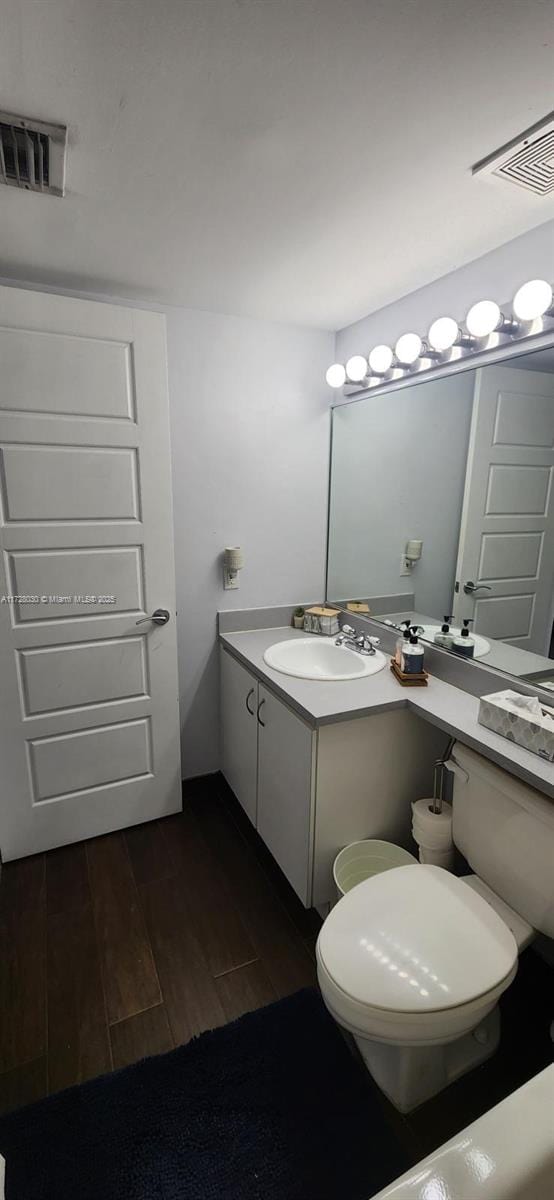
(319, 658)
(481, 645)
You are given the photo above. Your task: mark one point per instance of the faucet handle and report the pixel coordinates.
(349, 631)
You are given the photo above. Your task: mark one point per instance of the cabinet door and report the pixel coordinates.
(239, 703)
(285, 748)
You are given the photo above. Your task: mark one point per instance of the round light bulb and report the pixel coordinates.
(483, 318)
(532, 300)
(380, 359)
(443, 333)
(335, 375)
(408, 348)
(356, 368)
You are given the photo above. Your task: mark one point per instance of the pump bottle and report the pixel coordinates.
(401, 642)
(444, 637)
(463, 643)
(412, 654)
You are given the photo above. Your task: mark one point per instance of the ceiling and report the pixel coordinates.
(297, 160)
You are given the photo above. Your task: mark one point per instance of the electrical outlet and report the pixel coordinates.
(406, 567)
(230, 579)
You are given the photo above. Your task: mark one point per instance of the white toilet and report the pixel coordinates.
(413, 961)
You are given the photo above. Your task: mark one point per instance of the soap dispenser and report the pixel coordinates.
(463, 643)
(401, 642)
(412, 654)
(444, 637)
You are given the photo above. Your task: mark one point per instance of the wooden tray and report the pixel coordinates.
(409, 680)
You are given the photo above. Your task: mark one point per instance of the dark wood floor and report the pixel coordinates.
(130, 944)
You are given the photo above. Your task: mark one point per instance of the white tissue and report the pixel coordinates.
(522, 719)
(530, 705)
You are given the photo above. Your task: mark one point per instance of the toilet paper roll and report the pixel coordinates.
(432, 830)
(437, 858)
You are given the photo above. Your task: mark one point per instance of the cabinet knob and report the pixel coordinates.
(260, 706)
(251, 693)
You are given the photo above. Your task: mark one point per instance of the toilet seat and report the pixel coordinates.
(427, 1028)
(414, 954)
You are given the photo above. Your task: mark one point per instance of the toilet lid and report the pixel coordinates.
(415, 939)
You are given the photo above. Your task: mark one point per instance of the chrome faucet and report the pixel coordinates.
(363, 643)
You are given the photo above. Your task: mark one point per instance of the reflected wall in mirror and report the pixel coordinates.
(465, 465)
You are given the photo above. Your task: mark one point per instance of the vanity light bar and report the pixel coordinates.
(532, 302)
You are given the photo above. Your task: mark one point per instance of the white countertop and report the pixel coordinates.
(448, 707)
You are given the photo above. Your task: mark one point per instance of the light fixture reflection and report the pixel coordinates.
(481, 1164)
(436, 1188)
(417, 975)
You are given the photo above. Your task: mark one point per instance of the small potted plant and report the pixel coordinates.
(298, 618)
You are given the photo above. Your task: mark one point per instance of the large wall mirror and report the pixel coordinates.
(464, 464)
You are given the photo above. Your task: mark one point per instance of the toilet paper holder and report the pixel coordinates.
(446, 763)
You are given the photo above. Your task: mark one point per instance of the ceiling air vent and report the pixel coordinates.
(527, 162)
(32, 154)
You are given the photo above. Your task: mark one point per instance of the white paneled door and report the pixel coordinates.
(89, 719)
(506, 550)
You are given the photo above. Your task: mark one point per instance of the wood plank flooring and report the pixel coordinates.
(130, 944)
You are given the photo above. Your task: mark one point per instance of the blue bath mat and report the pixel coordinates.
(271, 1107)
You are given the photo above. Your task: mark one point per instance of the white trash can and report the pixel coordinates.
(361, 860)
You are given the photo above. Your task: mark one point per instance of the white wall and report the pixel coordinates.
(398, 472)
(496, 276)
(250, 445)
(250, 419)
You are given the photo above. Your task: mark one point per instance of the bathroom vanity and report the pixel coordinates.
(318, 762)
(316, 765)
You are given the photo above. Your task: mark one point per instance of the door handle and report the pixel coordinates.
(470, 587)
(250, 710)
(260, 706)
(160, 616)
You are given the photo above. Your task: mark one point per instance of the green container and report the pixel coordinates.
(361, 860)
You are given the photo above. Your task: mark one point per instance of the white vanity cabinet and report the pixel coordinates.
(239, 732)
(267, 760)
(286, 779)
(309, 792)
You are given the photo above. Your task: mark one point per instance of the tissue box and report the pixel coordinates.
(535, 733)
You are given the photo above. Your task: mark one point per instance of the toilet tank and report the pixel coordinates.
(505, 830)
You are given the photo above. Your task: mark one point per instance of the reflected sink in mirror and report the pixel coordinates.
(482, 647)
(316, 658)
